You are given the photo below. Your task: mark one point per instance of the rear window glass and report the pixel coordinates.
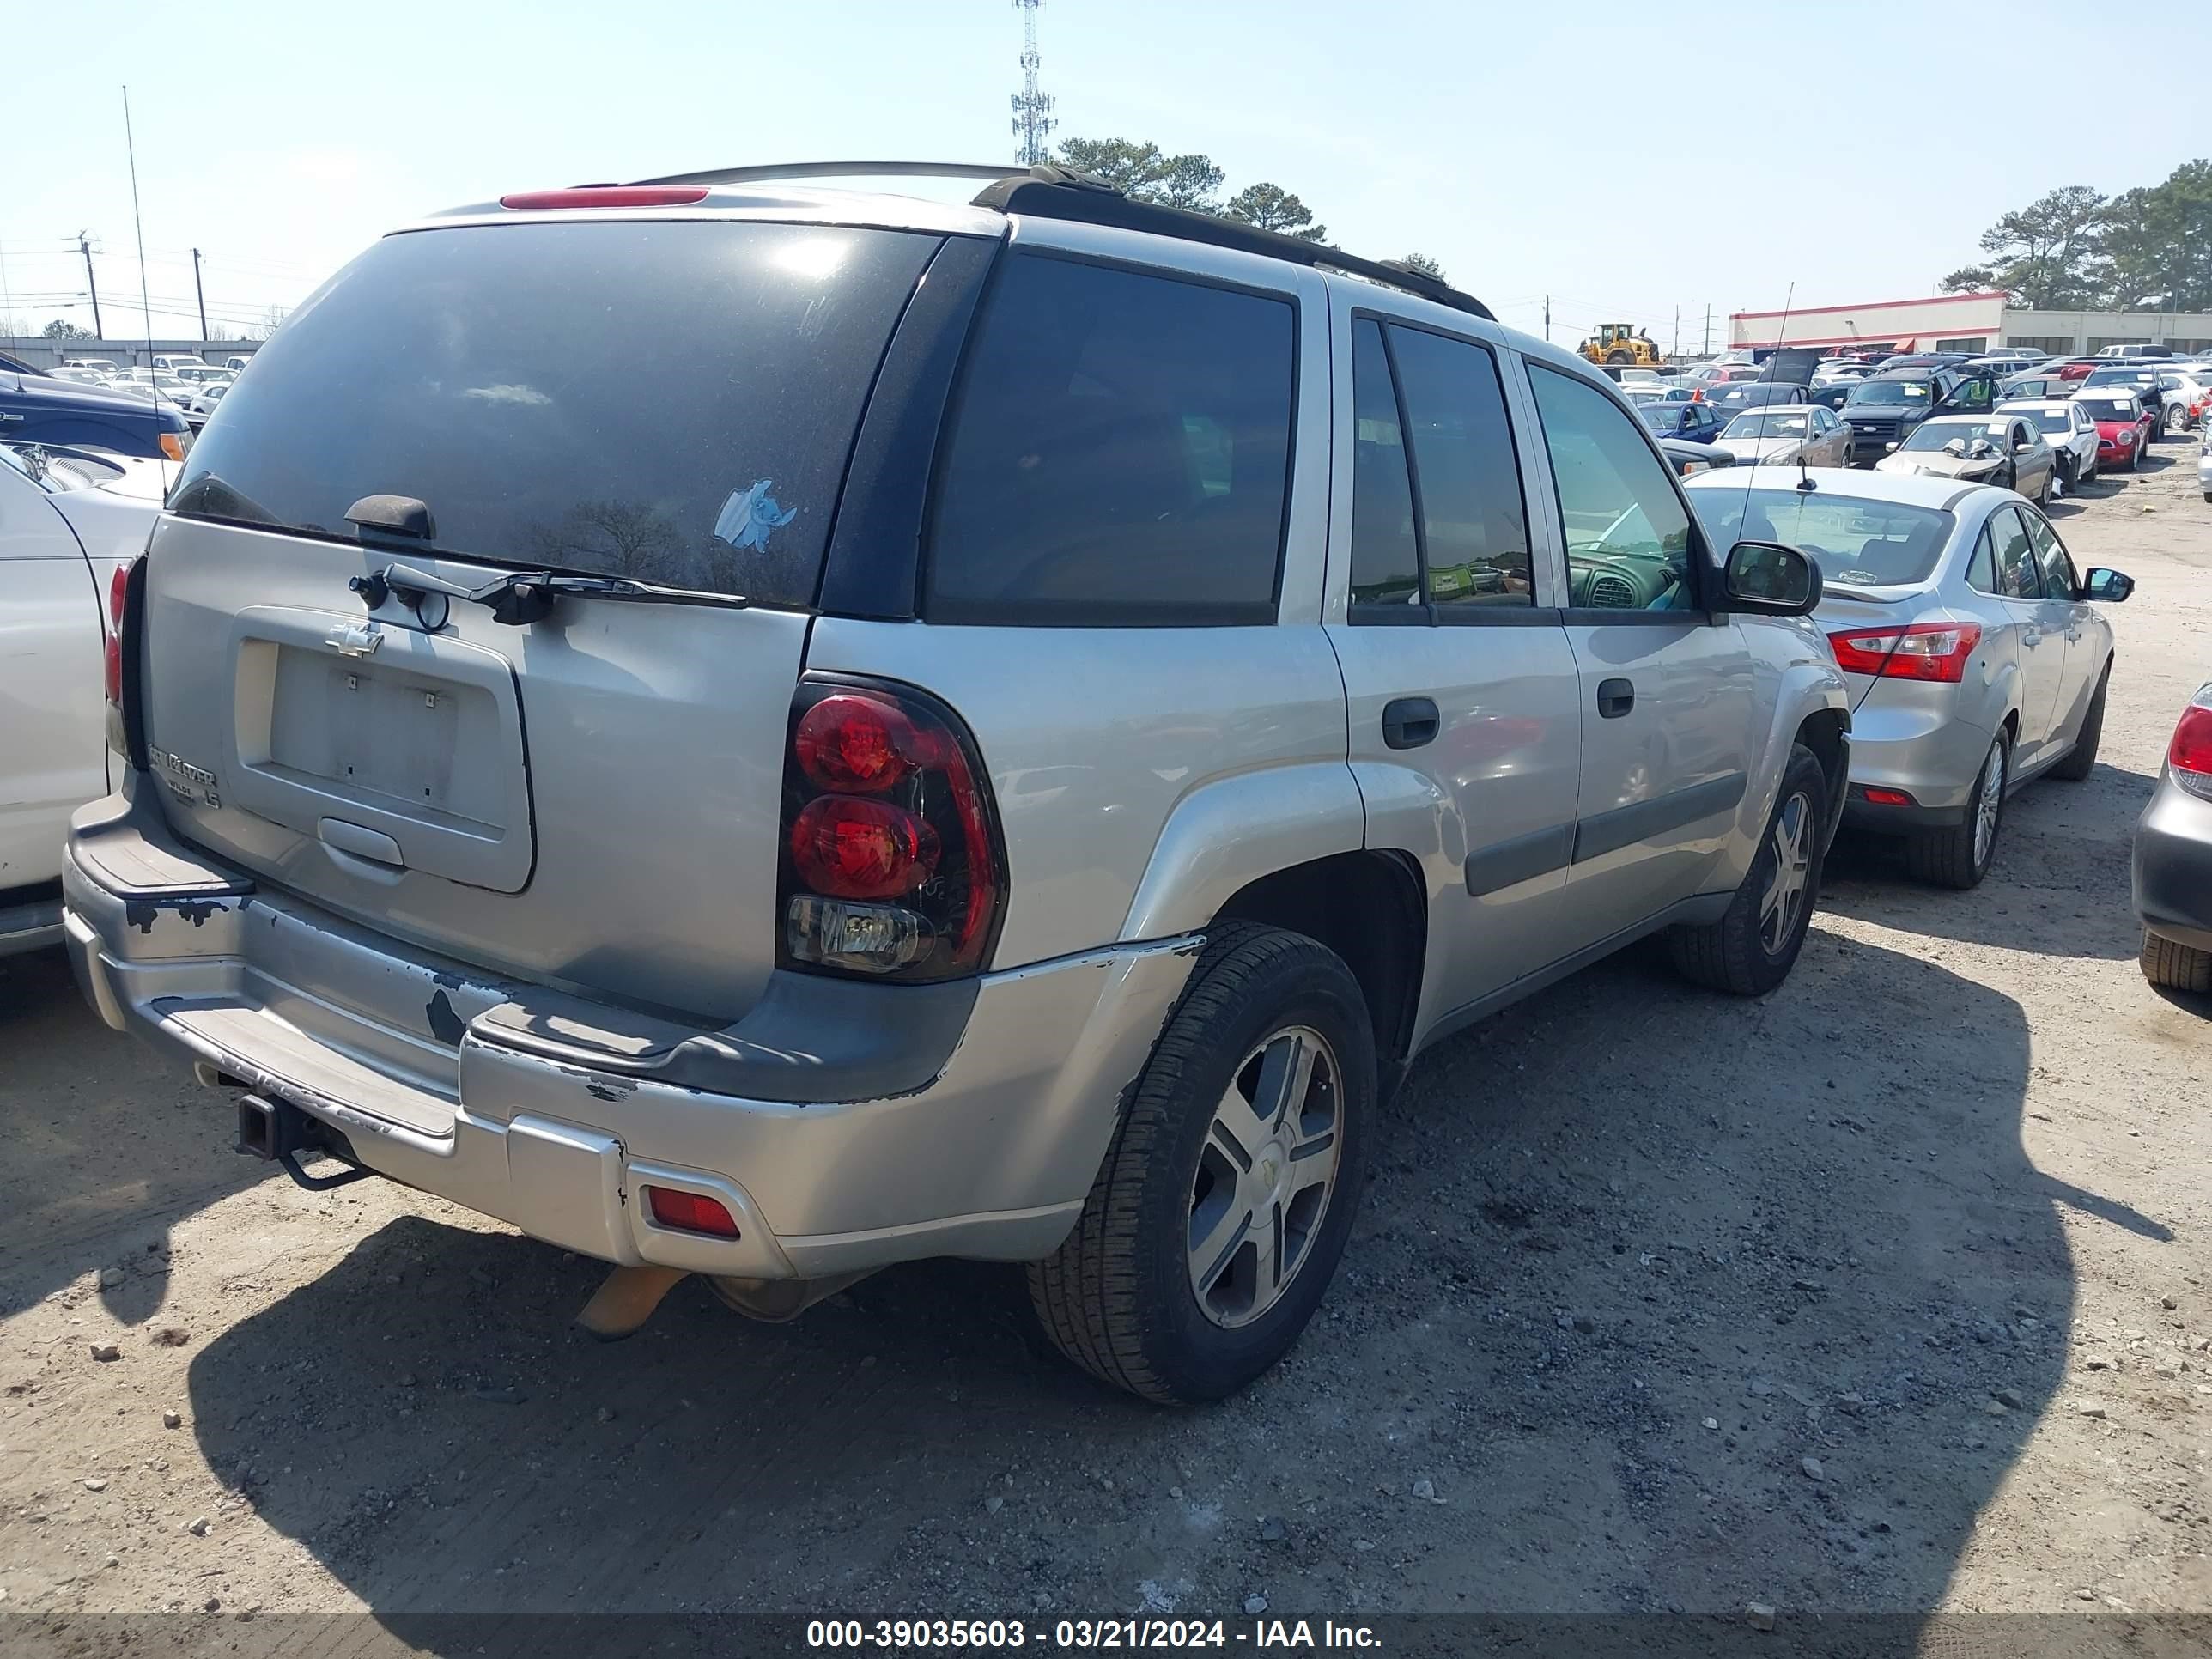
(1860, 543)
(1120, 453)
(670, 401)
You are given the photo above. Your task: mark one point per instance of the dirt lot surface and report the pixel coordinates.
(1887, 1292)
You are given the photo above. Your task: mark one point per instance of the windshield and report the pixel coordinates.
(1890, 391)
(2109, 409)
(670, 401)
(2122, 377)
(1769, 423)
(1661, 417)
(1937, 434)
(2053, 420)
(1862, 543)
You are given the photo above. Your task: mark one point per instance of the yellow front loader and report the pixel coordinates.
(1622, 343)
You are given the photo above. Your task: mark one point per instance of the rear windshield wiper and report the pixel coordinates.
(521, 597)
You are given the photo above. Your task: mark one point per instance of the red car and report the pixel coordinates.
(2123, 426)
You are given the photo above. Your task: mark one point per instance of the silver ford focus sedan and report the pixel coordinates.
(1975, 657)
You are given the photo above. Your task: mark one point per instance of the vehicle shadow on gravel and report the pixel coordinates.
(2059, 885)
(1620, 1211)
(107, 1144)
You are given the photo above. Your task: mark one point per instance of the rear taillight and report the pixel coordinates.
(2188, 756)
(119, 595)
(127, 614)
(892, 863)
(1921, 651)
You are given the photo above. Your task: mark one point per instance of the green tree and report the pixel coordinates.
(2045, 254)
(60, 330)
(1421, 265)
(1145, 171)
(1270, 207)
(2157, 244)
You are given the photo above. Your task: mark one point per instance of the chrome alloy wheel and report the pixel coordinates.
(1266, 1175)
(1786, 893)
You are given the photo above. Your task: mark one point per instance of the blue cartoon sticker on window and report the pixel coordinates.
(749, 514)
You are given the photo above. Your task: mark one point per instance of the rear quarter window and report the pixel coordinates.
(1119, 453)
(673, 401)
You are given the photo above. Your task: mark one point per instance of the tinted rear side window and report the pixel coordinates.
(672, 401)
(1475, 529)
(1120, 453)
(1386, 554)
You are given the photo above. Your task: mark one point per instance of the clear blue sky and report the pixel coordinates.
(1628, 159)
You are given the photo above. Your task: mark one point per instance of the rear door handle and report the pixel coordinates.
(1614, 699)
(1409, 722)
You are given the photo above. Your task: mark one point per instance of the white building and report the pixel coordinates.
(1967, 322)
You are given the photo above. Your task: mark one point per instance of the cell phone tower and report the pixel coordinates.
(1033, 121)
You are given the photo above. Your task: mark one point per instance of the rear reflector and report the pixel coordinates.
(174, 444)
(692, 1212)
(1888, 797)
(607, 196)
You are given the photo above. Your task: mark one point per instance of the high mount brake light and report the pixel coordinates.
(606, 195)
(1936, 651)
(892, 863)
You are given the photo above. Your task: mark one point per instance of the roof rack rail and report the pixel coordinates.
(837, 170)
(1057, 192)
(1053, 192)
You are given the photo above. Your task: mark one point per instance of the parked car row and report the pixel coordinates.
(190, 384)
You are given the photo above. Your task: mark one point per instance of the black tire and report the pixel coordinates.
(2135, 454)
(1117, 1297)
(2175, 966)
(1946, 857)
(1732, 954)
(2082, 758)
(1620, 356)
(2043, 489)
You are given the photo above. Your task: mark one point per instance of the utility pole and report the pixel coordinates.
(84, 247)
(1547, 318)
(1709, 331)
(199, 294)
(1677, 351)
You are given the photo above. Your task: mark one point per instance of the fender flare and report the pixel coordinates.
(1230, 831)
(1809, 686)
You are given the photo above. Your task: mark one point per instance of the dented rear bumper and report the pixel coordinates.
(844, 1126)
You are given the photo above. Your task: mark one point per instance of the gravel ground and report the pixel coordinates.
(1887, 1292)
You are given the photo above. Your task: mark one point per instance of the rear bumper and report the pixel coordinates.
(843, 1132)
(2174, 866)
(1908, 738)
